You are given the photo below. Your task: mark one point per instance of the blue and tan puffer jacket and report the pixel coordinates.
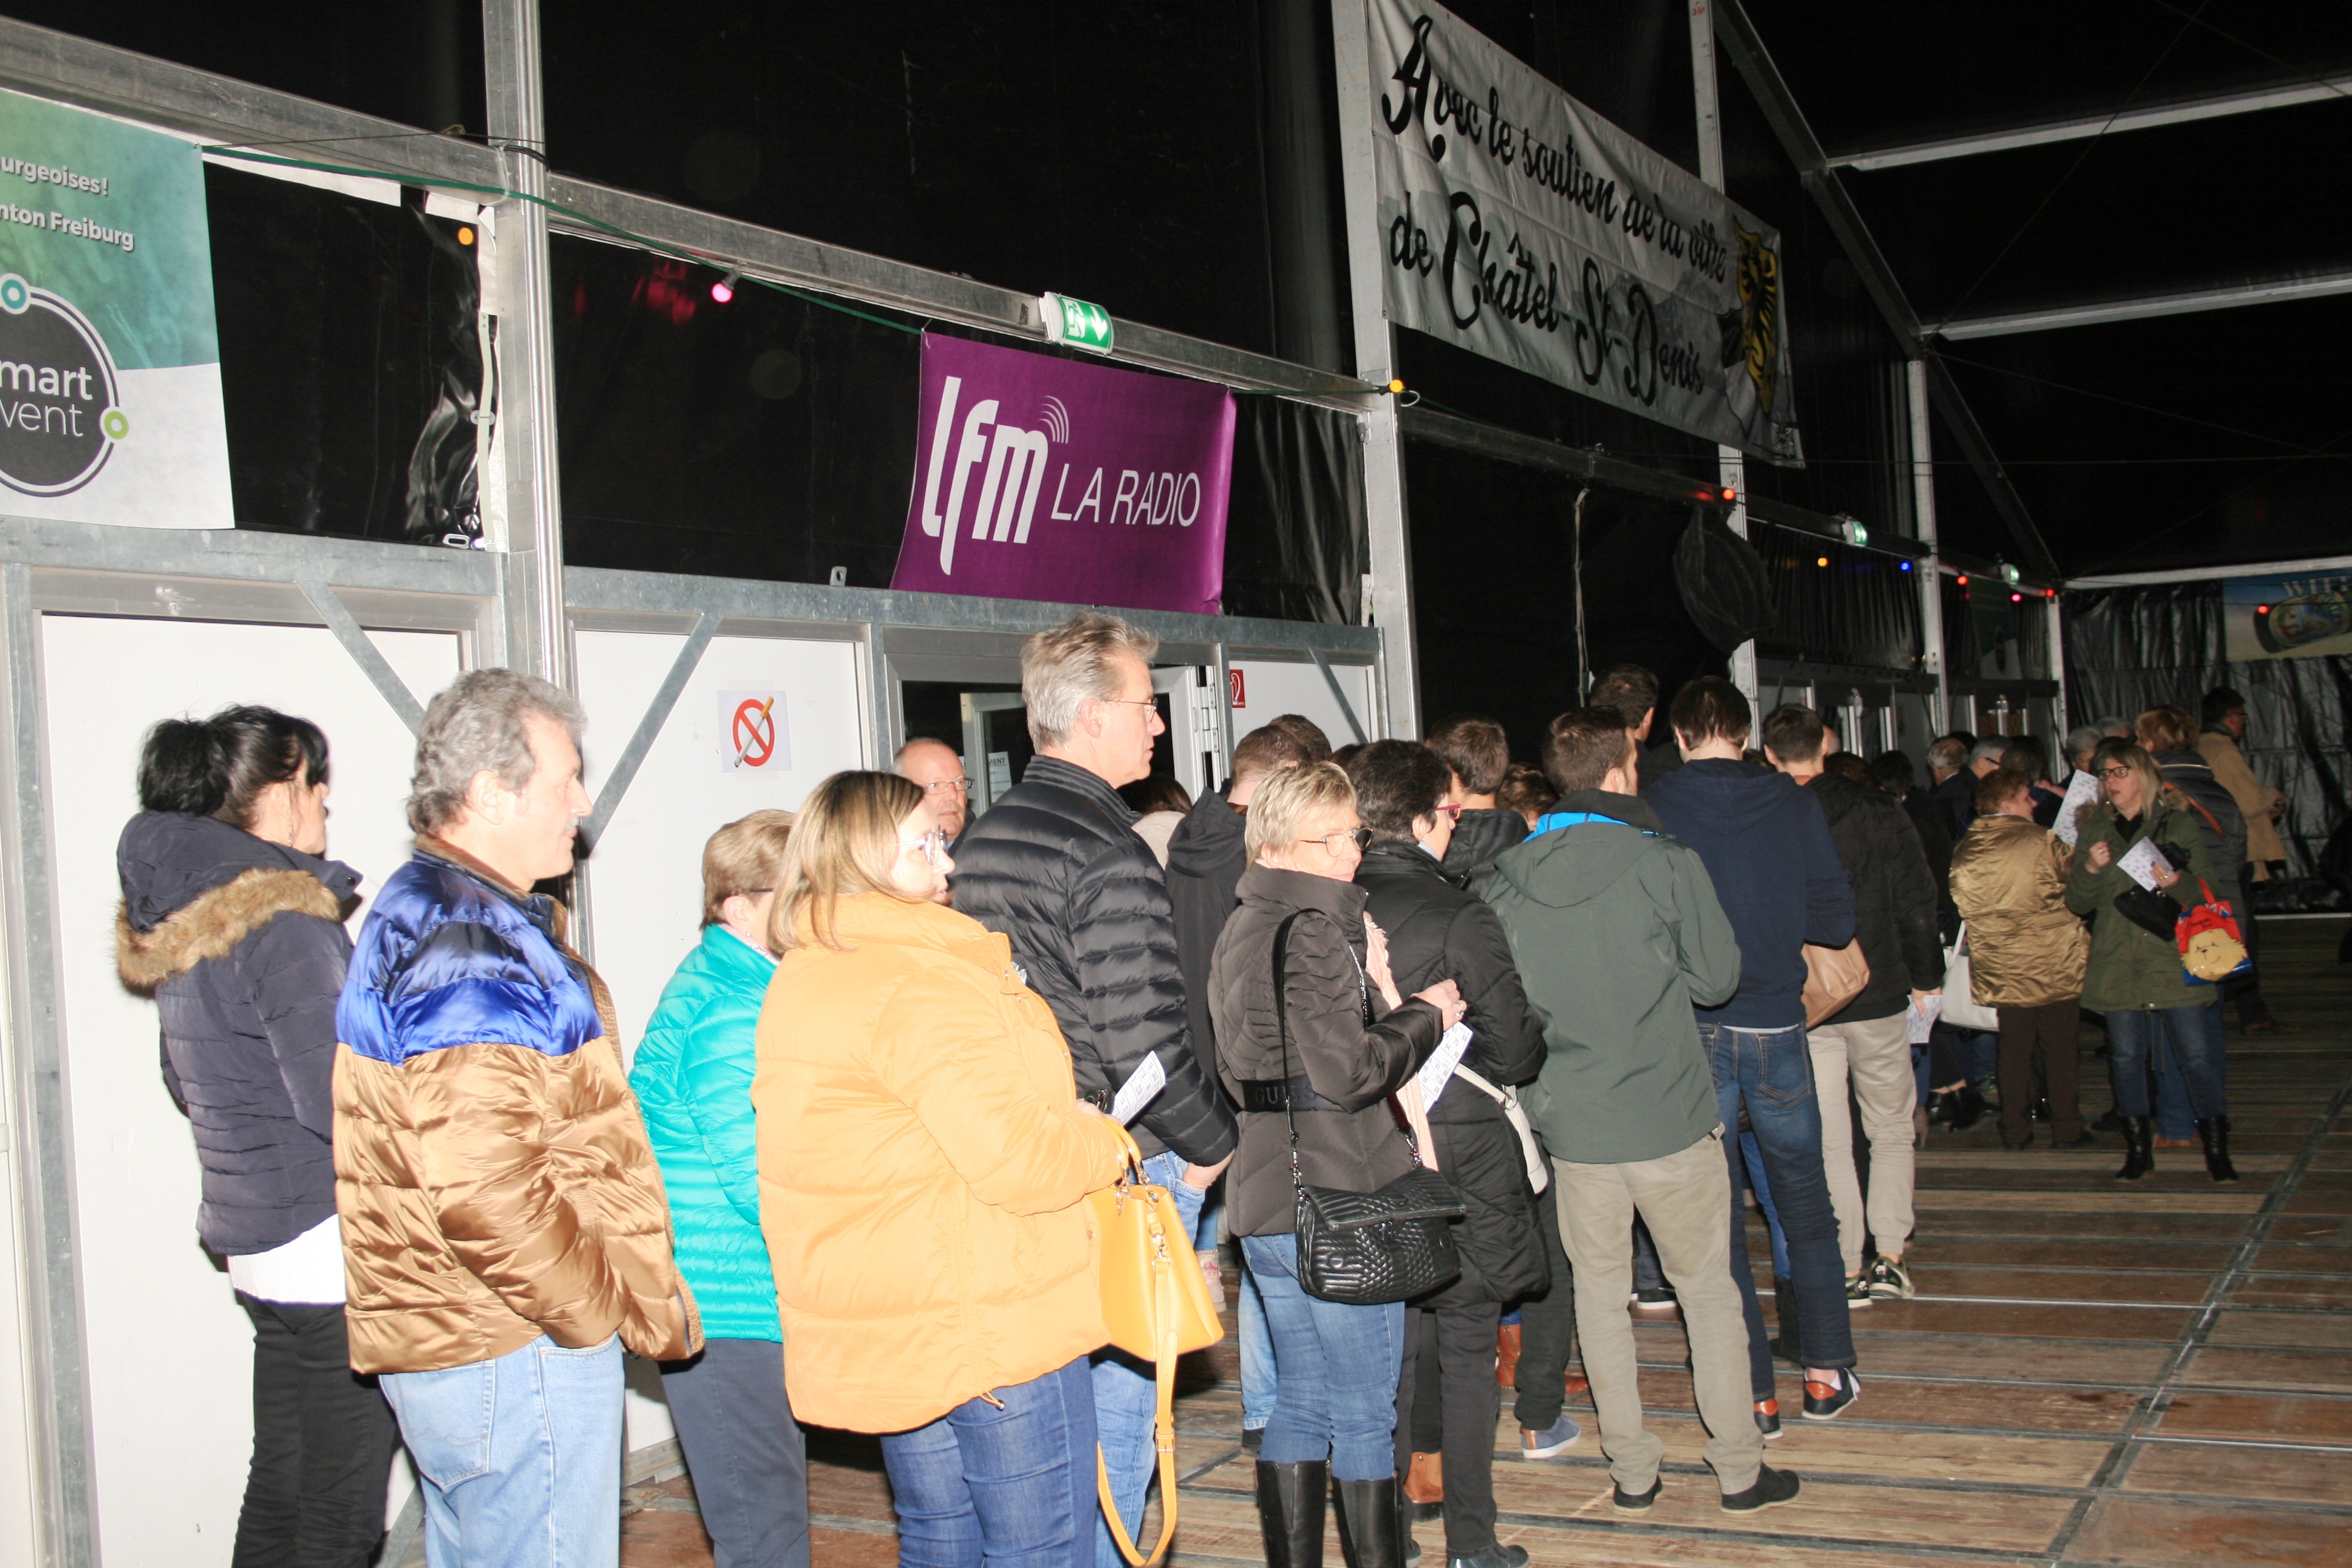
(491, 1168)
(693, 1079)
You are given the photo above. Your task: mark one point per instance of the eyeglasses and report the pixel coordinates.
(932, 843)
(2118, 772)
(1339, 843)
(1452, 808)
(1149, 702)
(947, 786)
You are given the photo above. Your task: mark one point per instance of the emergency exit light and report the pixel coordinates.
(1077, 323)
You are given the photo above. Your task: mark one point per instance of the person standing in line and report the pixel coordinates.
(1056, 866)
(936, 766)
(1632, 691)
(232, 918)
(2223, 732)
(924, 1158)
(1160, 805)
(1767, 850)
(1866, 1045)
(1205, 860)
(693, 1080)
(2026, 954)
(505, 1230)
(1319, 1053)
(2134, 974)
(1618, 933)
(1436, 929)
(2169, 735)
(2027, 754)
(1955, 785)
(1478, 751)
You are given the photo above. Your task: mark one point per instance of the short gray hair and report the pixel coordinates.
(2081, 741)
(1285, 802)
(476, 726)
(1078, 662)
(1990, 749)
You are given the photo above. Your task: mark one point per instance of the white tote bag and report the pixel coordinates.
(1960, 1008)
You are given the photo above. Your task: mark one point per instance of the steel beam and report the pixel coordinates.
(2089, 125)
(2146, 306)
(2208, 573)
(1463, 435)
(1738, 35)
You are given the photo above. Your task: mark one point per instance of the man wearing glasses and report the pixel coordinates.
(946, 789)
(1056, 866)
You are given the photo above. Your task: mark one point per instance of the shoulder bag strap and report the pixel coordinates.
(1282, 1031)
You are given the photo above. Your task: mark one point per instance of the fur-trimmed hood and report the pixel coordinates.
(194, 887)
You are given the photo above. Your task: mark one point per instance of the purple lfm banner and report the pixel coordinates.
(1037, 478)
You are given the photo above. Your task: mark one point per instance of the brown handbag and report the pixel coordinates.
(1156, 1305)
(1833, 977)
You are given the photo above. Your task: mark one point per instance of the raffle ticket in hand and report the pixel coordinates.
(2081, 791)
(2142, 861)
(1438, 1070)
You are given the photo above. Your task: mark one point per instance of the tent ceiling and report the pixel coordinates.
(2174, 438)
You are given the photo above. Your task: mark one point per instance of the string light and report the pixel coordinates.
(1821, 561)
(464, 234)
(723, 291)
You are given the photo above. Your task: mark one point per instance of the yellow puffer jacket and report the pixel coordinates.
(2026, 949)
(923, 1167)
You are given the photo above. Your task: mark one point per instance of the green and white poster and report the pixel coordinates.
(110, 363)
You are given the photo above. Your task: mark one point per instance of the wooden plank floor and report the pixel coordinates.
(2092, 1374)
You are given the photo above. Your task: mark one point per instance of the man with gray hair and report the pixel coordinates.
(2081, 741)
(505, 1230)
(1055, 865)
(1954, 787)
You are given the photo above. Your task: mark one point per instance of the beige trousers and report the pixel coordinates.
(1876, 1057)
(1685, 1199)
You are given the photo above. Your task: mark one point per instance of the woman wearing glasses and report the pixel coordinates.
(2136, 976)
(693, 1079)
(1324, 1061)
(923, 1159)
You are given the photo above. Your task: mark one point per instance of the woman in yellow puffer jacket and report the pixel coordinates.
(2026, 954)
(923, 1163)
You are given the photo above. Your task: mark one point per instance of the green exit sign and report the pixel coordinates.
(1080, 323)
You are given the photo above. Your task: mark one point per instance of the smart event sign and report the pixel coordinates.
(110, 363)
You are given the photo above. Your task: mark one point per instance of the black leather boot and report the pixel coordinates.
(2214, 1132)
(2139, 1148)
(1291, 1512)
(1371, 1527)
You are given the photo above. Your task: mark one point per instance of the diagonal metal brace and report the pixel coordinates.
(365, 654)
(649, 728)
(1332, 679)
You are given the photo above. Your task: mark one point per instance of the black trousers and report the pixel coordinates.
(1466, 1375)
(1547, 1328)
(2247, 992)
(322, 1444)
(746, 1453)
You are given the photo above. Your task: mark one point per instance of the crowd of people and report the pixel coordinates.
(843, 1178)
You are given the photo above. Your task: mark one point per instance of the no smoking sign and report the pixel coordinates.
(753, 735)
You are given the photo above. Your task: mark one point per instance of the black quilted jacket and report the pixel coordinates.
(1056, 867)
(1893, 894)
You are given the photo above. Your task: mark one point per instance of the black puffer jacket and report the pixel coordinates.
(241, 942)
(2223, 822)
(1478, 838)
(1056, 867)
(1205, 860)
(1438, 930)
(1354, 1143)
(1894, 896)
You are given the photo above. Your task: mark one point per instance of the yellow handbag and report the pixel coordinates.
(1157, 1307)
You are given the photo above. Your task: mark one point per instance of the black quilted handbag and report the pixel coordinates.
(1367, 1249)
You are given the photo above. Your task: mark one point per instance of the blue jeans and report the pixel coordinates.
(1752, 1158)
(1125, 1394)
(1259, 1385)
(1337, 1369)
(1771, 1072)
(1010, 1485)
(2187, 1046)
(519, 1457)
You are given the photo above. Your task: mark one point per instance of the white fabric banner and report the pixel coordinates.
(1521, 226)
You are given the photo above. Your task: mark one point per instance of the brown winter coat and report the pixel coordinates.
(923, 1170)
(2026, 949)
(2253, 797)
(495, 1191)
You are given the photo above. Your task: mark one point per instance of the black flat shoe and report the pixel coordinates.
(2082, 1140)
(1635, 1503)
(1772, 1489)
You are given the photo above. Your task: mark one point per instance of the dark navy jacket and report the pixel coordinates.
(1767, 848)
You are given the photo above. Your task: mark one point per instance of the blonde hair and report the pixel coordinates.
(1285, 801)
(746, 857)
(1064, 667)
(845, 842)
(2143, 766)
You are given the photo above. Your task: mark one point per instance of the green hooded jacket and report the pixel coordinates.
(1617, 934)
(2130, 966)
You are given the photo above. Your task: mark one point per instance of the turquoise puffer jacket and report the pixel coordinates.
(693, 1079)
